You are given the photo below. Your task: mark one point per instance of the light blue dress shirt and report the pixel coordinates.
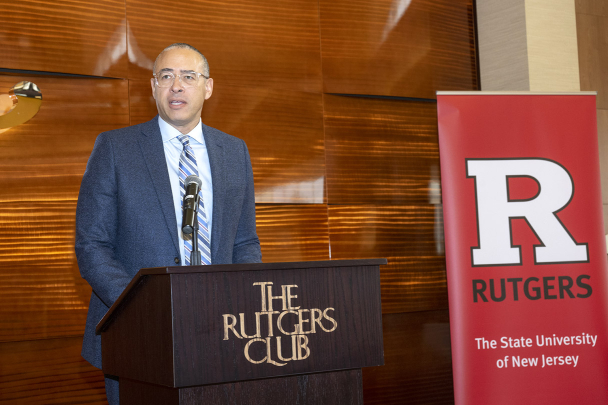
(173, 149)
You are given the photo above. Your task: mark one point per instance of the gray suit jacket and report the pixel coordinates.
(125, 218)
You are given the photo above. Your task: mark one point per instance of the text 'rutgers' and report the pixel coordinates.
(292, 323)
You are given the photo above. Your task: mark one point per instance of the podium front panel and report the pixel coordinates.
(232, 326)
(200, 325)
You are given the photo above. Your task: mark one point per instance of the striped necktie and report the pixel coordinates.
(187, 167)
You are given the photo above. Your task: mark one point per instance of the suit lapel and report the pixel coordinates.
(151, 143)
(216, 161)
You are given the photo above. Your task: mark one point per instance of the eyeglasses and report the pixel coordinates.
(166, 79)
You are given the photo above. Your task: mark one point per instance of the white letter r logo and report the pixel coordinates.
(495, 211)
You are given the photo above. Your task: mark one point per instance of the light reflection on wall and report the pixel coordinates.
(311, 191)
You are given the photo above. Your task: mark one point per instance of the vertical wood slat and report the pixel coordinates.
(602, 136)
(593, 62)
(595, 7)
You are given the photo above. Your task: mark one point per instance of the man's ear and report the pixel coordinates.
(153, 84)
(208, 88)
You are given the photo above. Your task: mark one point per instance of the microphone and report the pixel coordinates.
(192, 184)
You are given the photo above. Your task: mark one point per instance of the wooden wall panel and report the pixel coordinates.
(283, 131)
(41, 291)
(293, 233)
(275, 44)
(596, 7)
(592, 55)
(380, 151)
(394, 48)
(591, 20)
(417, 362)
(602, 138)
(142, 106)
(410, 237)
(41, 166)
(48, 371)
(82, 36)
(453, 45)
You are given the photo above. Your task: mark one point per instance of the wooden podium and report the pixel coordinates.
(264, 333)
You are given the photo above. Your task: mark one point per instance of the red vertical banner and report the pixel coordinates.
(525, 248)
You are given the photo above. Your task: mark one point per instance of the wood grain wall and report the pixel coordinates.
(335, 100)
(592, 28)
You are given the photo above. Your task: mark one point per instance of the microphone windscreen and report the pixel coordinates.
(193, 179)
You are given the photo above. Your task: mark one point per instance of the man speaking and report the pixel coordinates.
(129, 213)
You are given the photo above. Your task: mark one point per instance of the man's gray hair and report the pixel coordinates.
(182, 45)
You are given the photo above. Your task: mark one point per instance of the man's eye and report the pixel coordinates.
(189, 77)
(166, 76)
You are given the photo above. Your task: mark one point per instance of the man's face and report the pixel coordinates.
(178, 105)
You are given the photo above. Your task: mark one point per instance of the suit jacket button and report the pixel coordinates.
(176, 260)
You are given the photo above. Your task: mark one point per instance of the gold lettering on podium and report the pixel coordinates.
(303, 322)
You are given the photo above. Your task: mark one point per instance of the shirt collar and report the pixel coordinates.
(169, 132)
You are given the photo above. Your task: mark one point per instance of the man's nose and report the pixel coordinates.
(176, 86)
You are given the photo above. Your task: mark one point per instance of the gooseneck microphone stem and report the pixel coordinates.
(195, 255)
